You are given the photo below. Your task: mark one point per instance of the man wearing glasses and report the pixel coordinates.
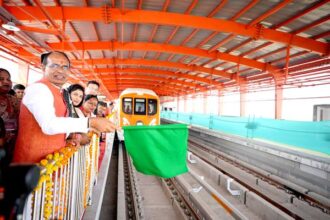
(42, 122)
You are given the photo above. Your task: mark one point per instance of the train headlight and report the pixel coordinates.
(153, 122)
(139, 123)
(125, 121)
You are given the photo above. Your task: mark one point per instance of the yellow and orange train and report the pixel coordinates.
(139, 107)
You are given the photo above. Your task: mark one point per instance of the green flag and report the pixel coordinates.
(158, 150)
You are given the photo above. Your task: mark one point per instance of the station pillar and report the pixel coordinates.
(242, 91)
(204, 102)
(220, 103)
(185, 103)
(278, 97)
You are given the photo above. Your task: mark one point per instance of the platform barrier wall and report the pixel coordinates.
(66, 183)
(313, 136)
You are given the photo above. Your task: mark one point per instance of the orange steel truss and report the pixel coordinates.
(176, 47)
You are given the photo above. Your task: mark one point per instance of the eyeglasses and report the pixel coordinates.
(58, 66)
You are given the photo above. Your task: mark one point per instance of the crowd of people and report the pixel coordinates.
(48, 117)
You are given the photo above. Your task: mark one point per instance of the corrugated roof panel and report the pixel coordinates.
(85, 31)
(106, 31)
(231, 8)
(102, 66)
(281, 54)
(164, 56)
(129, 4)
(180, 35)
(198, 37)
(48, 3)
(213, 41)
(286, 12)
(235, 42)
(154, 5)
(265, 50)
(204, 8)
(299, 59)
(163, 32)
(201, 61)
(144, 32)
(178, 6)
(150, 55)
(251, 45)
(188, 59)
(71, 2)
(109, 53)
(308, 19)
(260, 8)
(96, 54)
(15, 3)
(176, 58)
(127, 34)
(137, 54)
(124, 54)
(212, 64)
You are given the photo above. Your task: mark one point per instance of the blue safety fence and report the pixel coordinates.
(314, 136)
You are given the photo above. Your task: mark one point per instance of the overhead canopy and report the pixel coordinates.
(175, 47)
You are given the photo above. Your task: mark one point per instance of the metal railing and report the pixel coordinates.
(66, 183)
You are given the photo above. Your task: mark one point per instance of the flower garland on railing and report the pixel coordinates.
(89, 159)
(52, 163)
(53, 187)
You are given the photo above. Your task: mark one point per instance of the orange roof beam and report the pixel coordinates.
(245, 9)
(154, 30)
(145, 82)
(154, 78)
(166, 18)
(63, 35)
(50, 31)
(313, 24)
(269, 13)
(165, 48)
(157, 63)
(299, 14)
(157, 72)
(321, 35)
(170, 37)
(213, 12)
(284, 23)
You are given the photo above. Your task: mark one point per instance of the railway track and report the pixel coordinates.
(182, 197)
(271, 193)
(217, 186)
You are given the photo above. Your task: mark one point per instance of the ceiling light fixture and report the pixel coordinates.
(11, 26)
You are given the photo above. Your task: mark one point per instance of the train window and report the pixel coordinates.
(140, 106)
(152, 106)
(127, 105)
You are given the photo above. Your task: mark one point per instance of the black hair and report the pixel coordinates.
(104, 104)
(89, 96)
(75, 87)
(19, 86)
(44, 57)
(4, 70)
(12, 92)
(93, 82)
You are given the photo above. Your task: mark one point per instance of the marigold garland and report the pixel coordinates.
(57, 182)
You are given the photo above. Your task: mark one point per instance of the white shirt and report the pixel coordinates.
(40, 102)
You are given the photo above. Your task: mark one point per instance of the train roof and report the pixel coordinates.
(139, 91)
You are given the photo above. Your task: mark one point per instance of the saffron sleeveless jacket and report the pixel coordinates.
(32, 144)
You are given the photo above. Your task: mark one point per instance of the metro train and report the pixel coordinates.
(139, 107)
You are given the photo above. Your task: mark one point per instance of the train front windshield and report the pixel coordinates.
(140, 106)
